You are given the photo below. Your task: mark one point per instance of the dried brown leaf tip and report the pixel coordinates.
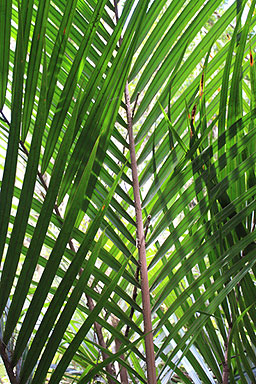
(251, 59)
(193, 114)
(201, 91)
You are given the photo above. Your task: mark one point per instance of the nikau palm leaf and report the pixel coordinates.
(127, 201)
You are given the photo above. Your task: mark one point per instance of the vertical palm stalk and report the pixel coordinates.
(150, 357)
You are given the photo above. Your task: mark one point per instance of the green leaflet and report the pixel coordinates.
(5, 33)
(54, 260)
(49, 318)
(10, 165)
(234, 107)
(38, 238)
(34, 63)
(176, 136)
(71, 83)
(25, 200)
(85, 327)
